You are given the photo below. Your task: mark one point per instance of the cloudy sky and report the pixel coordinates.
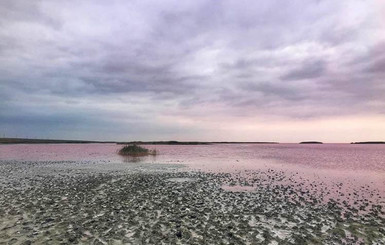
(239, 70)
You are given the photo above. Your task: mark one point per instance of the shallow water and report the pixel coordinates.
(331, 190)
(361, 162)
(218, 157)
(340, 168)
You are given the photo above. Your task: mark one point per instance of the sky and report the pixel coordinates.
(229, 70)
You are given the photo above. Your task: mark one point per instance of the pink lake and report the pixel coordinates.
(342, 158)
(356, 166)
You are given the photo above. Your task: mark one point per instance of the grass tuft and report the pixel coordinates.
(135, 150)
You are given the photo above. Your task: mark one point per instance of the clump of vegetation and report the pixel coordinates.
(135, 150)
(311, 142)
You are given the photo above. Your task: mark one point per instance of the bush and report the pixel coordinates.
(135, 150)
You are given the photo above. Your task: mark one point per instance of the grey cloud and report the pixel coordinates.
(371, 55)
(377, 66)
(263, 57)
(278, 90)
(308, 70)
(20, 11)
(80, 124)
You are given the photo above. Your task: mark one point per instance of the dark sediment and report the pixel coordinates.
(66, 202)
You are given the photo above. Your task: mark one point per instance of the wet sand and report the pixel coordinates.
(89, 202)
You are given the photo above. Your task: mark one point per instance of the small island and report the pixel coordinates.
(135, 151)
(369, 142)
(311, 142)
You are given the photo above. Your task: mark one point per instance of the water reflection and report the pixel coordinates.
(137, 159)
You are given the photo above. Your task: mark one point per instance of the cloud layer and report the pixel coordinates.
(191, 70)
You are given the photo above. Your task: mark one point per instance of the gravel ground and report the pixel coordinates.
(134, 203)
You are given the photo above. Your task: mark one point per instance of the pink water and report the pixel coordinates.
(356, 166)
(326, 157)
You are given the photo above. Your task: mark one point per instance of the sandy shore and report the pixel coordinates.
(105, 203)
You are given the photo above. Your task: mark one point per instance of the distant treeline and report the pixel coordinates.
(46, 141)
(170, 142)
(369, 142)
(173, 142)
(247, 142)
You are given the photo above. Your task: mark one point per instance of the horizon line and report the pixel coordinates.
(17, 140)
